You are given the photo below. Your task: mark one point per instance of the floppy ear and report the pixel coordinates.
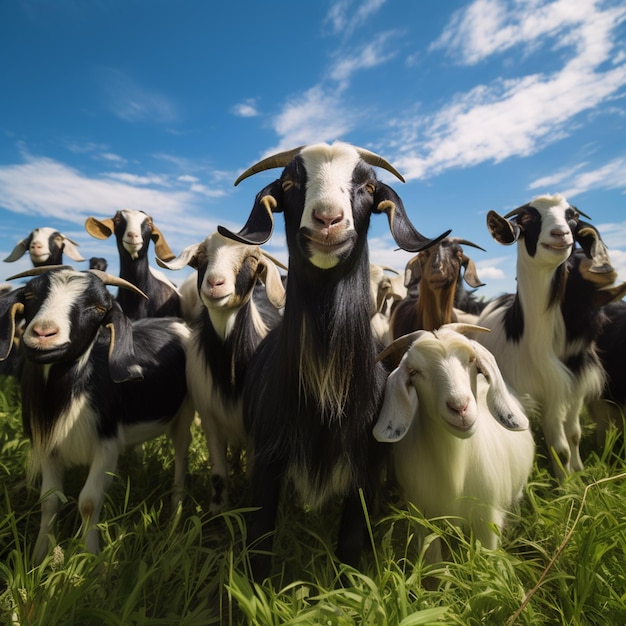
(123, 364)
(161, 248)
(260, 225)
(11, 308)
(399, 406)
(413, 271)
(590, 241)
(100, 229)
(470, 275)
(270, 276)
(502, 230)
(189, 256)
(502, 404)
(387, 201)
(607, 295)
(19, 250)
(71, 249)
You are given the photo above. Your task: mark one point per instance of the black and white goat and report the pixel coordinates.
(529, 337)
(313, 389)
(225, 334)
(133, 232)
(462, 443)
(46, 246)
(92, 383)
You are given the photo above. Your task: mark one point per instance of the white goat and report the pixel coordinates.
(529, 337)
(226, 330)
(463, 447)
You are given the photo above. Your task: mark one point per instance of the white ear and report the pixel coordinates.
(71, 249)
(502, 404)
(186, 257)
(399, 406)
(18, 252)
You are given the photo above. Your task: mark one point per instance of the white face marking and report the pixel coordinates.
(132, 239)
(328, 196)
(556, 237)
(51, 326)
(39, 248)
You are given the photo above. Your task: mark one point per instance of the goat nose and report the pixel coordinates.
(328, 220)
(215, 281)
(45, 330)
(559, 233)
(458, 406)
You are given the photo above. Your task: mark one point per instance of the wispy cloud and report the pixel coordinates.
(133, 102)
(343, 20)
(246, 109)
(520, 115)
(368, 56)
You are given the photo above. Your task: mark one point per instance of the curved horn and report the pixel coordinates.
(465, 242)
(116, 281)
(281, 159)
(374, 159)
(463, 328)
(579, 211)
(42, 269)
(274, 260)
(401, 343)
(389, 269)
(517, 211)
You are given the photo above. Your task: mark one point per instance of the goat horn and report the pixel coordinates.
(389, 269)
(116, 281)
(465, 242)
(516, 211)
(280, 159)
(42, 269)
(580, 212)
(274, 260)
(401, 343)
(463, 328)
(374, 159)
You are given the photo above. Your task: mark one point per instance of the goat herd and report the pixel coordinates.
(333, 379)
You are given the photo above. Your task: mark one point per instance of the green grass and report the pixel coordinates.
(563, 559)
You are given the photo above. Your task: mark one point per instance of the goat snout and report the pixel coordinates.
(460, 416)
(328, 221)
(42, 334)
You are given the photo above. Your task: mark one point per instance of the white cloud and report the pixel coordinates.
(371, 55)
(134, 179)
(246, 109)
(344, 23)
(517, 116)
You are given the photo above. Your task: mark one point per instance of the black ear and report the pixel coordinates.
(260, 225)
(387, 201)
(502, 230)
(11, 308)
(123, 364)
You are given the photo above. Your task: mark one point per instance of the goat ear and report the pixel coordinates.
(100, 229)
(123, 364)
(502, 230)
(387, 201)
(71, 249)
(399, 406)
(413, 271)
(270, 276)
(189, 256)
(502, 404)
(607, 295)
(260, 225)
(590, 241)
(470, 275)
(161, 248)
(11, 307)
(18, 252)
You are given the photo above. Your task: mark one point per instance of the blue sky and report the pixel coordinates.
(159, 105)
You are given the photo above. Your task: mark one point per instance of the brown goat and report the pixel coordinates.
(437, 270)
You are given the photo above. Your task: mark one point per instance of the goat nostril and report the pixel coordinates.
(45, 332)
(328, 220)
(458, 407)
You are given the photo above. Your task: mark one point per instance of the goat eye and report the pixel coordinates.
(28, 295)
(414, 372)
(370, 188)
(287, 185)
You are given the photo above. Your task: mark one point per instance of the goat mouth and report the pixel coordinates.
(332, 245)
(45, 354)
(557, 247)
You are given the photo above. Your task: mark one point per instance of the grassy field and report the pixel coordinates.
(563, 559)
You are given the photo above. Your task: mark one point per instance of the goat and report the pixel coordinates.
(133, 232)
(313, 389)
(529, 336)
(87, 392)
(437, 271)
(46, 246)
(385, 293)
(225, 333)
(462, 446)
